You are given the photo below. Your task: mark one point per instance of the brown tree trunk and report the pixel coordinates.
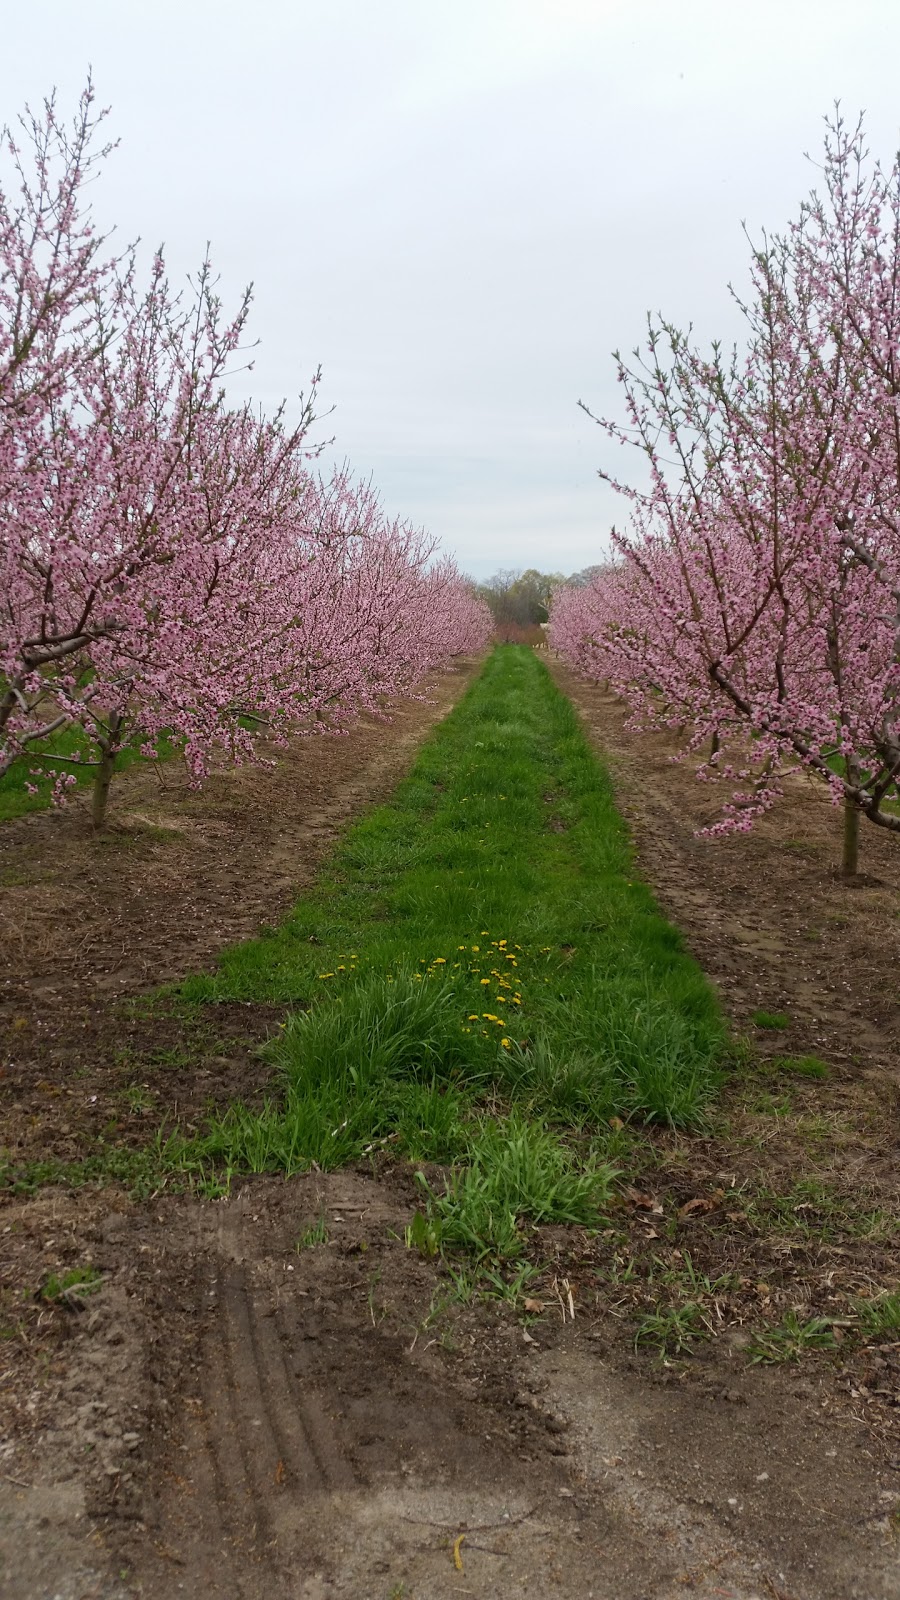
(109, 749)
(850, 862)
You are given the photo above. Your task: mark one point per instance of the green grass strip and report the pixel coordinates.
(478, 978)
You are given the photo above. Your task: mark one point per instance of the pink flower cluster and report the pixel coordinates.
(168, 562)
(754, 600)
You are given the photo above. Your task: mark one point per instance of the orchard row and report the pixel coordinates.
(171, 563)
(754, 602)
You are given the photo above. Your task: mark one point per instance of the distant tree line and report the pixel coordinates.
(519, 602)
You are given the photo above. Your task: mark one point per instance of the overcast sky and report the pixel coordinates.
(460, 207)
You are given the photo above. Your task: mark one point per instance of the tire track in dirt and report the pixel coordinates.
(262, 1447)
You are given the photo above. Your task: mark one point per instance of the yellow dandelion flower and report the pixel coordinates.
(341, 969)
(505, 1043)
(439, 961)
(501, 943)
(473, 1016)
(326, 974)
(483, 981)
(460, 947)
(476, 948)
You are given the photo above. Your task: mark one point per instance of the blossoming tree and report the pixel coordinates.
(170, 564)
(756, 598)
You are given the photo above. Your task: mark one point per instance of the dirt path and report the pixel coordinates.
(270, 1395)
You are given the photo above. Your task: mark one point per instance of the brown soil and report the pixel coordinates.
(229, 1410)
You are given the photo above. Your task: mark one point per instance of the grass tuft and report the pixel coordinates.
(517, 1171)
(791, 1339)
(777, 1021)
(804, 1066)
(880, 1315)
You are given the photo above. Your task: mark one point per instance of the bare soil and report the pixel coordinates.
(270, 1395)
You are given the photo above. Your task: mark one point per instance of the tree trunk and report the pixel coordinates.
(850, 863)
(109, 749)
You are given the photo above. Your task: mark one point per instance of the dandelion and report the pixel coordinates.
(483, 981)
(505, 1043)
(326, 974)
(439, 961)
(473, 1016)
(476, 948)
